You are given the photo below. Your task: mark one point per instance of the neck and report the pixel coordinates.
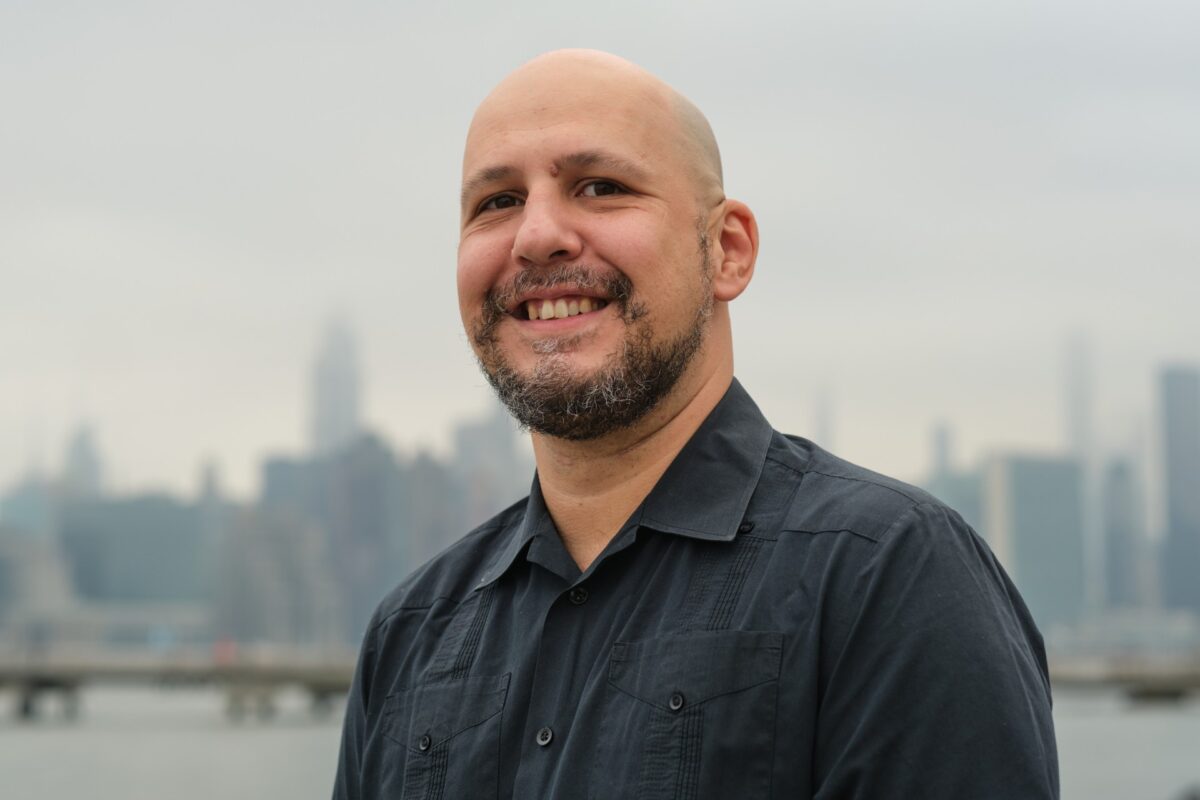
(592, 487)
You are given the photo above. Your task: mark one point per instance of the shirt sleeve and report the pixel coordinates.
(348, 780)
(940, 688)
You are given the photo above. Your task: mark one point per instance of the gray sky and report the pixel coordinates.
(945, 192)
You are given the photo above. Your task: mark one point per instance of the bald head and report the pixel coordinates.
(563, 83)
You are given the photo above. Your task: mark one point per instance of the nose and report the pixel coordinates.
(546, 235)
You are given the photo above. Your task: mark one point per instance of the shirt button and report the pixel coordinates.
(424, 743)
(746, 527)
(676, 701)
(544, 736)
(578, 595)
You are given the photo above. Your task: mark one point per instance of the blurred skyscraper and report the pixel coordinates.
(1033, 520)
(1078, 408)
(336, 391)
(30, 507)
(83, 469)
(491, 469)
(1180, 407)
(135, 549)
(37, 603)
(960, 489)
(1126, 578)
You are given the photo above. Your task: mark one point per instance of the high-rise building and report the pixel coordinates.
(960, 489)
(30, 507)
(1124, 543)
(1080, 445)
(83, 470)
(135, 549)
(1179, 389)
(1033, 520)
(359, 498)
(36, 600)
(336, 391)
(490, 466)
(275, 582)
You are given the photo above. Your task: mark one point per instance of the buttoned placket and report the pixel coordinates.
(547, 721)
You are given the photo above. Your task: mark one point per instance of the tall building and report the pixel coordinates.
(1179, 389)
(37, 604)
(1033, 520)
(30, 507)
(488, 463)
(275, 582)
(358, 498)
(1124, 542)
(135, 549)
(83, 469)
(957, 488)
(1079, 428)
(336, 391)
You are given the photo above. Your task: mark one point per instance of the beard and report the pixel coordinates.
(556, 400)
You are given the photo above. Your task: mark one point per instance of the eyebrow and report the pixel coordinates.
(587, 159)
(482, 178)
(583, 159)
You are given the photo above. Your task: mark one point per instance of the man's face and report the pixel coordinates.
(583, 272)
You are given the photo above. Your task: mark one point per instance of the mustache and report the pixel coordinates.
(614, 285)
(496, 302)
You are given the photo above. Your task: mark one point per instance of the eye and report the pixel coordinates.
(500, 202)
(601, 189)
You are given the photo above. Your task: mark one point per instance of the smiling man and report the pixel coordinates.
(689, 604)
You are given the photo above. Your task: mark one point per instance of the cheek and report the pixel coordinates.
(650, 254)
(481, 263)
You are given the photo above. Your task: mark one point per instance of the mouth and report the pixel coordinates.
(560, 307)
(555, 302)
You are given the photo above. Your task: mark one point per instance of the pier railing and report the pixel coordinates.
(251, 678)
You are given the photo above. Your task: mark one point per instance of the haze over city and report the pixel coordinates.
(944, 199)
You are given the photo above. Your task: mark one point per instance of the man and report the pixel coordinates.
(689, 604)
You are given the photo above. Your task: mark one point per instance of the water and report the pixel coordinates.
(151, 744)
(1112, 749)
(168, 744)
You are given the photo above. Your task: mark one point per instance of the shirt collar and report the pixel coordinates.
(535, 519)
(706, 490)
(702, 495)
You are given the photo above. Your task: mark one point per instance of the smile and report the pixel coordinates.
(559, 307)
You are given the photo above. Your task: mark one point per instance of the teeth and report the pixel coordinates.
(562, 307)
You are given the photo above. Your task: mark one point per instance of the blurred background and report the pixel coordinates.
(237, 406)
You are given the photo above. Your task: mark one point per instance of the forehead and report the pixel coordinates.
(548, 119)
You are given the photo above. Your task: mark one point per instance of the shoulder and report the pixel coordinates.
(874, 542)
(452, 574)
(833, 495)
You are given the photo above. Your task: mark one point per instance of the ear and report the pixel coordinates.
(737, 252)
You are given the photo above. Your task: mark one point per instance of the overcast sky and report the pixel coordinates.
(945, 193)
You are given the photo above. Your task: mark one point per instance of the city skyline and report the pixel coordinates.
(944, 193)
(1137, 437)
(333, 525)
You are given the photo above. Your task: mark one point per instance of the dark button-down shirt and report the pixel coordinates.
(771, 622)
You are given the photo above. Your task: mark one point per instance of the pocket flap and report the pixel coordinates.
(696, 667)
(443, 710)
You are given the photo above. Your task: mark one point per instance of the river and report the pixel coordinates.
(176, 744)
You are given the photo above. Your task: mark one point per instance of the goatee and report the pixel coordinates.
(556, 400)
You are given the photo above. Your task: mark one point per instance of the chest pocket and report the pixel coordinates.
(444, 739)
(690, 717)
